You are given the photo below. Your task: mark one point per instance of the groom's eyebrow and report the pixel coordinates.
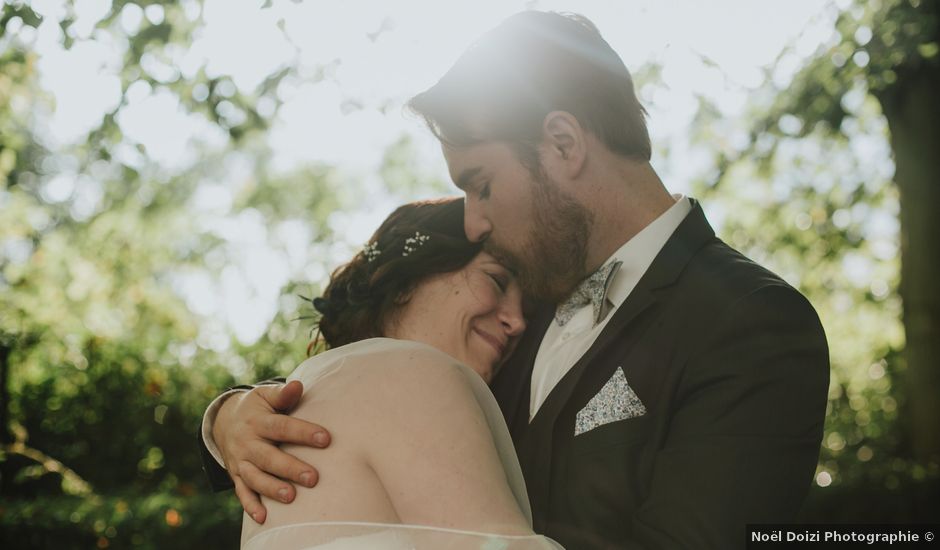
(463, 180)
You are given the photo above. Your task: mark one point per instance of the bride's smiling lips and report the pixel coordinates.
(497, 344)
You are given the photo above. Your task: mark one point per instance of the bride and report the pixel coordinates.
(420, 456)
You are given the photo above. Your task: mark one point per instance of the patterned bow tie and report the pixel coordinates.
(592, 290)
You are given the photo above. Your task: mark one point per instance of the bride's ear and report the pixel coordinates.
(403, 298)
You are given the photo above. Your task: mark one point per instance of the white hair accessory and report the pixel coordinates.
(371, 251)
(413, 243)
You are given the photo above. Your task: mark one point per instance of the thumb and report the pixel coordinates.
(286, 397)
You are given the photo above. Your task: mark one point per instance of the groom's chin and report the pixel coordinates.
(548, 281)
(543, 289)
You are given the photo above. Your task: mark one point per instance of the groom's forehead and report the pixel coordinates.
(468, 162)
(458, 158)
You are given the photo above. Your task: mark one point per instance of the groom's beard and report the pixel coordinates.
(552, 259)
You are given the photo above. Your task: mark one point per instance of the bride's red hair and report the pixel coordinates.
(364, 294)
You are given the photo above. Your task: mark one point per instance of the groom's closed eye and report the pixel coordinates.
(484, 190)
(465, 180)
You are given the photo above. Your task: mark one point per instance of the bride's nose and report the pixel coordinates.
(511, 318)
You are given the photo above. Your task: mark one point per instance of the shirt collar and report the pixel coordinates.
(639, 252)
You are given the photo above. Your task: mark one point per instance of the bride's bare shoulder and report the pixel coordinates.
(396, 367)
(417, 420)
(385, 377)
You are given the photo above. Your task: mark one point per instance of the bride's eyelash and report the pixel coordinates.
(500, 282)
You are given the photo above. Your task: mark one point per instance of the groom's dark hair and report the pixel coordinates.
(534, 63)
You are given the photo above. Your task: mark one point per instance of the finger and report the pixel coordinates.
(272, 460)
(281, 397)
(267, 485)
(250, 501)
(286, 429)
(287, 396)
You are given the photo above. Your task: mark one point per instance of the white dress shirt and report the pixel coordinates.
(562, 346)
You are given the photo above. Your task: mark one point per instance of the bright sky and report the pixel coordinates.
(381, 54)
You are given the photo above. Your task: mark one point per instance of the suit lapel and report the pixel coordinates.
(588, 375)
(687, 239)
(635, 304)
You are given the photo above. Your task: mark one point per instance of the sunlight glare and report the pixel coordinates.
(356, 66)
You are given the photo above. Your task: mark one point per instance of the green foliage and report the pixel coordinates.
(171, 518)
(875, 44)
(402, 175)
(811, 194)
(105, 368)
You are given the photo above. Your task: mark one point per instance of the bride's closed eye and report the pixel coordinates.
(500, 279)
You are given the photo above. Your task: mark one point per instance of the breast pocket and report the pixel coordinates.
(622, 433)
(607, 473)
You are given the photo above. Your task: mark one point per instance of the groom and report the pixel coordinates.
(668, 391)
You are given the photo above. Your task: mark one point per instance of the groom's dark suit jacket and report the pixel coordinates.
(732, 366)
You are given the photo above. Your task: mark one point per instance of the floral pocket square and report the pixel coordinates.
(616, 401)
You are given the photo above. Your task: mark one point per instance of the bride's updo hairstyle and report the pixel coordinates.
(418, 240)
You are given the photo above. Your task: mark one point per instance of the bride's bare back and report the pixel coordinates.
(411, 445)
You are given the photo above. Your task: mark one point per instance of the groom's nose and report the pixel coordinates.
(475, 224)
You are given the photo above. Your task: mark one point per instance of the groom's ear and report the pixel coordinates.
(564, 144)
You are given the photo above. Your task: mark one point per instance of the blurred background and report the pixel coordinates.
(174, 174)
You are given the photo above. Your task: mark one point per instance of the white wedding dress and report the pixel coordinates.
(355, 535)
